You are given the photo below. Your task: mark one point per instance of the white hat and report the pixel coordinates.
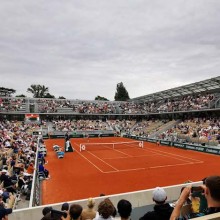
(27, 174)
(159, 194)
(4, 171)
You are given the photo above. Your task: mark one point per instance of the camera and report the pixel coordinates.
(55, 214)
(197, 189)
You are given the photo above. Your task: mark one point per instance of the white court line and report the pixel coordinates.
(128, 155)
(152, 150)
(89, 160)
(169, 165)
(145, 155)
(126, 170)
(167, 155)
(173, 165)
(102, 160)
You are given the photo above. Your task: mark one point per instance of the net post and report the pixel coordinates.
(82, 147)
(141, 144)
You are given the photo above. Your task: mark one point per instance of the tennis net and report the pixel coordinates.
(115, 145)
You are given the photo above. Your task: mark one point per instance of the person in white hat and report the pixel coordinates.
(162, 210)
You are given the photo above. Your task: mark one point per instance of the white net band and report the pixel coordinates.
(116, 145)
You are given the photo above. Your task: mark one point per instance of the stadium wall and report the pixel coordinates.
(141, 202)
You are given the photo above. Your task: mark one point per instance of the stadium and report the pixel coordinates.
(108, 149)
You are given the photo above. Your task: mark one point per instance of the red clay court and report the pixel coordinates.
(125, 168)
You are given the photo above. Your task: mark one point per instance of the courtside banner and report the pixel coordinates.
(152, 140)
(179, 145)
(56, 136)
(197, 148)
(142, 139)
(107, 135)
(212, 151)
(168, 143)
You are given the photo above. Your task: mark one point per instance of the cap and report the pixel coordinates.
(4, 171)
(159, 194)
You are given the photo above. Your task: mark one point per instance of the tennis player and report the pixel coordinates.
(87, 136)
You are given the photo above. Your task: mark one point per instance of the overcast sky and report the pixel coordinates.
(81, 49)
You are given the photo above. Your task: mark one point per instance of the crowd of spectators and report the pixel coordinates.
(205, 129)
(84, 125)
(186, 103)
(121, 126)
(51, 105)
(17, 158)
(96, 108)
(11, 104)
(81, 107)
(183, 103)
(106, 210)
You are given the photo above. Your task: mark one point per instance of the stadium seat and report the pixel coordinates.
(56, 147)
(60, 154)
(41, 175)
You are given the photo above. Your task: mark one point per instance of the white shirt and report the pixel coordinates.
(99, 217)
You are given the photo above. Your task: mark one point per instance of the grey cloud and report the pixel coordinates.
(80, 49)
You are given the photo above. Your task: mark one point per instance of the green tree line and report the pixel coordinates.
(41, 91)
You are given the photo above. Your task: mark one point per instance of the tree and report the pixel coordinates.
(61, 97)
(101, 98)
(6, 91)
(38, 91)
(48, 95)
(22, 96)
(121, 93)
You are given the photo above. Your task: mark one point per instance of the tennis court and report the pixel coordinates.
(117, 165)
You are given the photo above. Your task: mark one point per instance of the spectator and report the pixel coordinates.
(44, 170)
(46, 210)
(75, 211)
(124, 209)
(30, 169)
(8, 184)
(65, 207)
(211, 189)
(162, 210)
(106, 210)
(89, 213)
(4, 212)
